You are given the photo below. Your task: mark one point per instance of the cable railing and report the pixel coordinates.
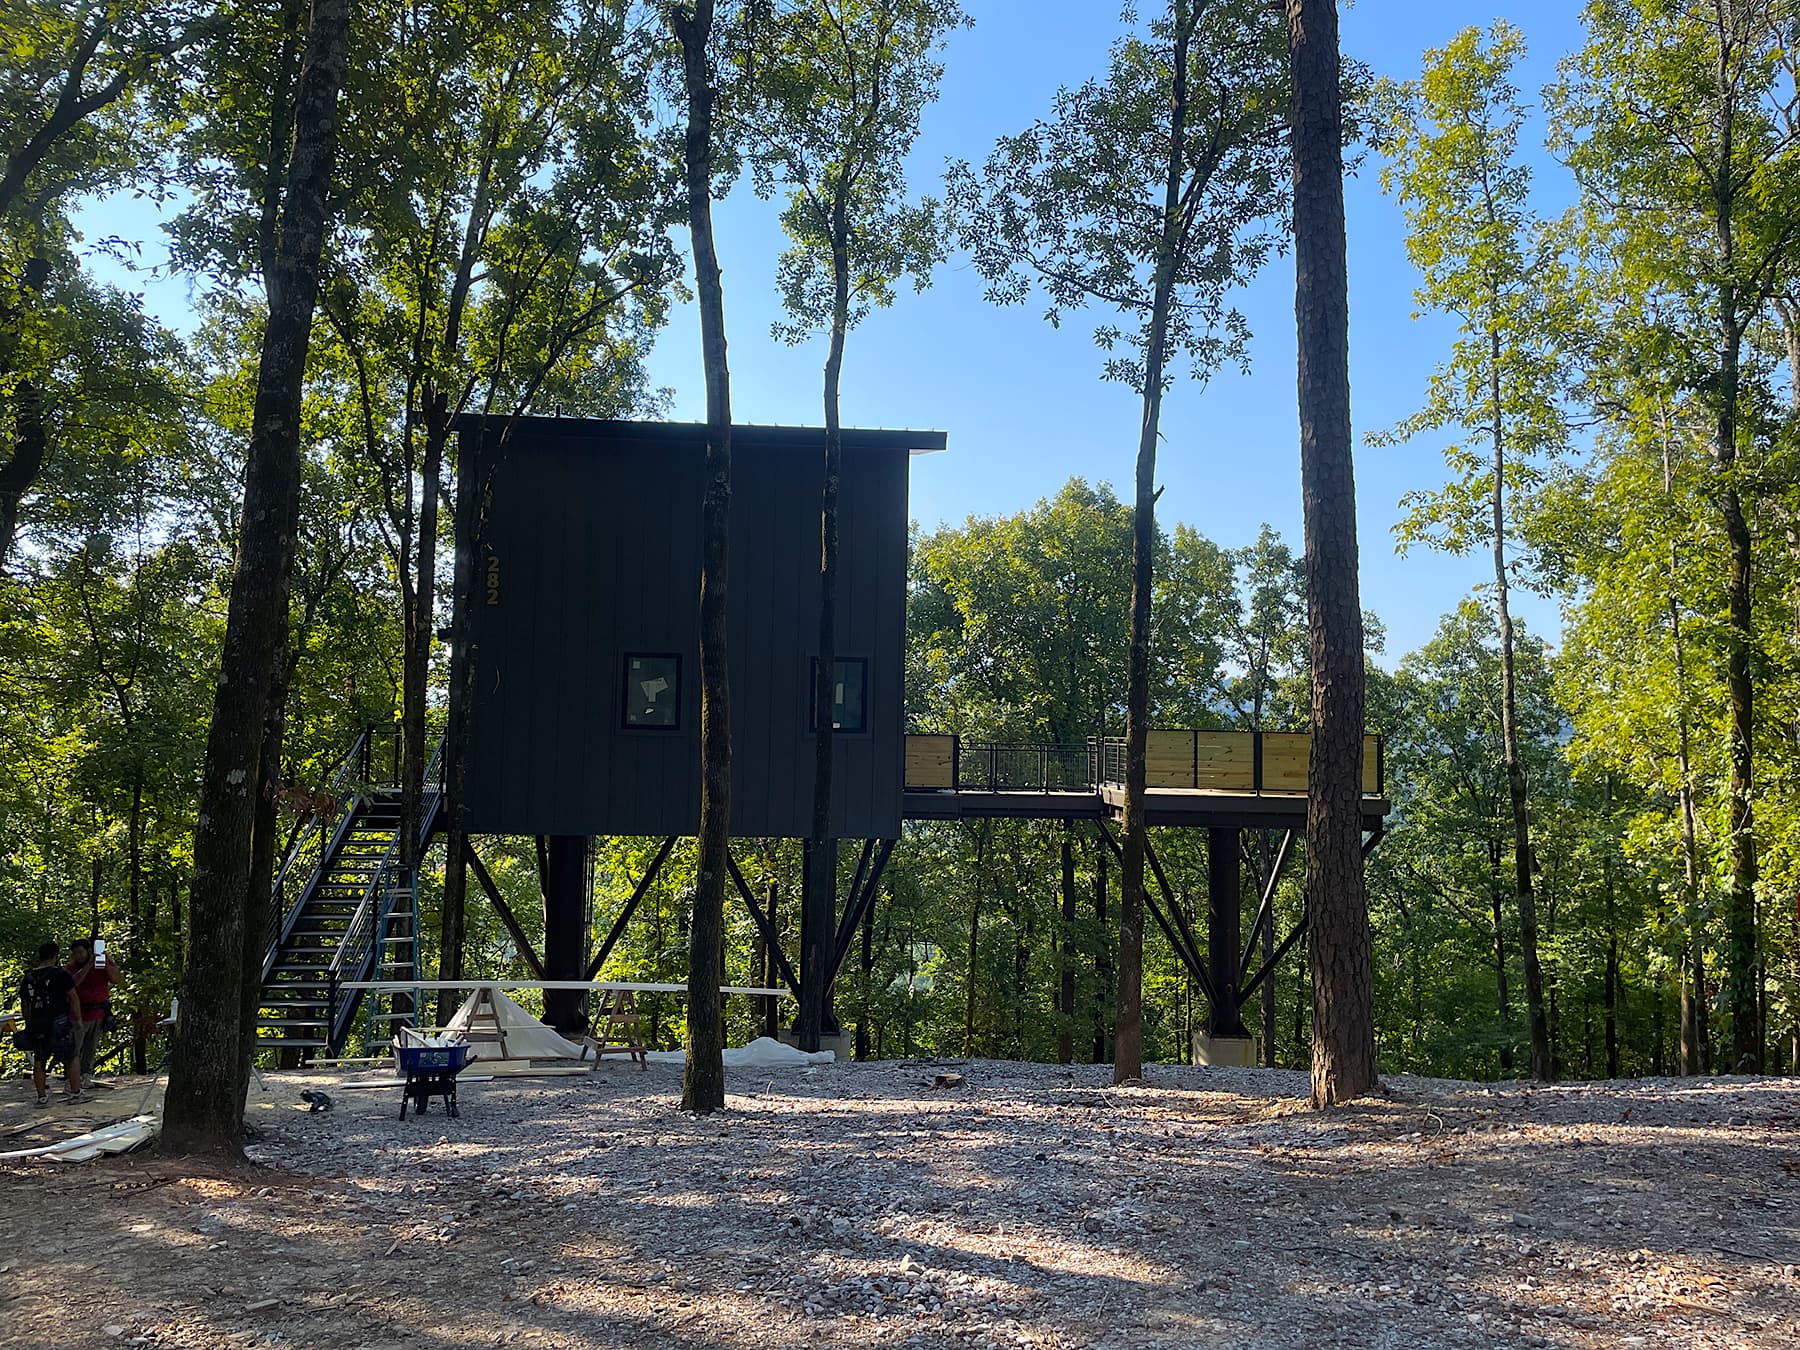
(1025, 768)
(311, 845)
(360, 936)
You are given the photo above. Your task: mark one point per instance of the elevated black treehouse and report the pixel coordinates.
(575, 700)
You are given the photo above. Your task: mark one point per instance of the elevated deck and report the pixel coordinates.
(1197, 779)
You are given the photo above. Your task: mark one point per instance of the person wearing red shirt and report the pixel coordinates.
(93, 986)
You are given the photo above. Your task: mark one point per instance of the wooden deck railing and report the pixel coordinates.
(1248, 762)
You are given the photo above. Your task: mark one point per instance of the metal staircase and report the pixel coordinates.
(344, 911)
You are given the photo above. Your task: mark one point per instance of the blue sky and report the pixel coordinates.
(1024, 404)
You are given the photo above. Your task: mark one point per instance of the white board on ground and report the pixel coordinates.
(121, 1137)
(761, 1053)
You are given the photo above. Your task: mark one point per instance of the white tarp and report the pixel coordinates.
(761, 1053)
(120, 1138)
(525, 1037)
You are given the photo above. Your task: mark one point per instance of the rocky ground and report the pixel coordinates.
(862, 1206)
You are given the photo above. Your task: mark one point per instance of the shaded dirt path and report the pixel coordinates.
(858, 1206)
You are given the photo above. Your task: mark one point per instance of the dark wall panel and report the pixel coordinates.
(595, 527)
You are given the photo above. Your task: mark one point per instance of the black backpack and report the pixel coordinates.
(45, 994)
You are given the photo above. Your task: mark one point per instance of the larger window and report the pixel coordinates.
(849, 698)
(652, 694)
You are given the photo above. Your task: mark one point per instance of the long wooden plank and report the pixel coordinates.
(1225, 761)
(1285, 755)
(1169, 759)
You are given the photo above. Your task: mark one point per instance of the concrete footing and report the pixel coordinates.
(843, 1045)
(1233, 1052)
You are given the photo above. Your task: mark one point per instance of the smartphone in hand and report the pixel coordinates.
(99, 952)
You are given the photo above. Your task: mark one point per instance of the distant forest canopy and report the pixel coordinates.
(1618, 415)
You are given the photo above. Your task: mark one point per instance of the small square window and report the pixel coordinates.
(850, 696)
(652, 694)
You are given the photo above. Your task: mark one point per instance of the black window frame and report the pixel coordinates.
(812, 702)
(625, 702)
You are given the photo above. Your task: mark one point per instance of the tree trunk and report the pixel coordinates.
(20, 470)
(703, 1082)
(1103, 965)
(259, 898)
(134, 881)
(821, 890)
(452, 918)
(1503, 994)
(868, 970)
(1266, 871)
(1611, 983)
(771, 969)
(203, 1110)
(1740, 637)
(1523, 894)
(1065, 1025)
(974, 950)
(816, 1016)
(1337, 909)
(1128, 1025)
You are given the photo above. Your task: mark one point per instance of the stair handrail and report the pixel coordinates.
(350, 961)
(282, 916)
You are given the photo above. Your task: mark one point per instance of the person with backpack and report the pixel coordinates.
(52, 1022)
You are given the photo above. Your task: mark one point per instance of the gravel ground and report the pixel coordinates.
(859, 1205)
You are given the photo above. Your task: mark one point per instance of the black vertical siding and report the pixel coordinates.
(596, 525)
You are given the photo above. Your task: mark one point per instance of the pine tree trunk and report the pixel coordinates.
(203, 1110)
(703, 1083)
(1337, 909)
(1128, 1022)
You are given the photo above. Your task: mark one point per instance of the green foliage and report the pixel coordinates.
(830, 96)
(1076, 203)
(1451, 139)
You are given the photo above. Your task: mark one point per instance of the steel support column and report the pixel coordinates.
(1224, 901)
(818, 932)
(565, 929)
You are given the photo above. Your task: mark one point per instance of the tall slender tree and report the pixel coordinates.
(1336, 904)
(831, 106)
(203, 1110)
(1152, 192)
(703, 1080)
(1452, 140)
